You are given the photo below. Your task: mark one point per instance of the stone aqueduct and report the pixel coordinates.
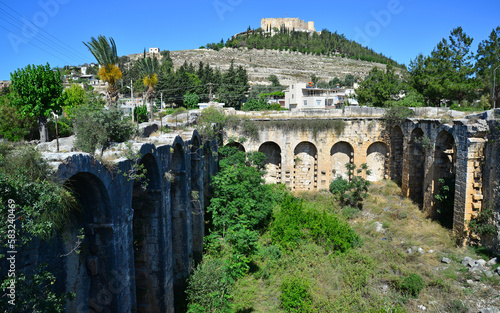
(416, 153)
(141, 240)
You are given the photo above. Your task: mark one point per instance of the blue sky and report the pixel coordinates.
(400, 29)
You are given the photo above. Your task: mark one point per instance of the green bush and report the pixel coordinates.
(411, 285)
(141, 114)
(209, 287)
(339, 186)
(483, 224)
(286, 228)
(42, 208)
(256, 105)
(96, 128)
(293, 223)
(12, 125)
(295, 295)
(349, 212)
(351, 193)
(64, 128)
(330, 232)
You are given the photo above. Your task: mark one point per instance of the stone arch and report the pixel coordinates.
(197, 199)
(236, 145)
(305, 166)
(341, 154)
(90, 271)
(181, 222)
(147, 244)
(272, 162)
(443, 173)
(416, 168)
(377, 156)
(397, 141)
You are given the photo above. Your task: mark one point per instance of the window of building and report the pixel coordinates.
(318, 102)
(305, 102)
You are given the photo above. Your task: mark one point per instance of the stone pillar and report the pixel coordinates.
(468, 186)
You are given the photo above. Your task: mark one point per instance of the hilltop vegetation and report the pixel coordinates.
(325, 43)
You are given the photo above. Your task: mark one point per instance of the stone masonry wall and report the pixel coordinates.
(141, 236)
(428, 153)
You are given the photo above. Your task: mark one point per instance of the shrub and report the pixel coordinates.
(411, 285)
(483, 223)
(64, 128)
(351, 193)
(295, 295)
(330, 232)
(141, 114)
(97, 128)
(291, 222)
(209, 287)
(396, 115)
(286, 229)
(349, 212)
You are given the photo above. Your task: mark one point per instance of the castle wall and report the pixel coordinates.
(290, 23)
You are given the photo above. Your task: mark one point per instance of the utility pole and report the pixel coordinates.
(210, 94)
(161, 100)
(494, 96)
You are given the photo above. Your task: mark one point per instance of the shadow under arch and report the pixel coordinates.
(272, 163)
(181, 225)
(443, 179)
(90, 272)
(149, 250)
(416, 162)
(197, 199)
(397, 141)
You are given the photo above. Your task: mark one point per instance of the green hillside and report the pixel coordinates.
(323, 43)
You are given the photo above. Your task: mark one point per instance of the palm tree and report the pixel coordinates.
(105, 53)
(148, 67)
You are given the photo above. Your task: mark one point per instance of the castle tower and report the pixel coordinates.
(310, 26)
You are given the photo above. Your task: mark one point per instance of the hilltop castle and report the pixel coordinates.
(268, 24)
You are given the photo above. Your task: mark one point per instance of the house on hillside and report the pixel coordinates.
(302, 96)
(154, 50)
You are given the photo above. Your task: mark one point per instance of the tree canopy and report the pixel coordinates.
(379, 87)
(38, 89)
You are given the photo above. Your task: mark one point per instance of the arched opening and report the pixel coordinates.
(377, 157)
(181, 226)
(305, 166)
(443, 183)
(236, 145)
(397, 139)
(272, 162)
(147, 224)
(197, 200)
(90, 272)
(416, 161)
(341, 153)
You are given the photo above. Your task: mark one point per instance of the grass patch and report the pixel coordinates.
(379, 275)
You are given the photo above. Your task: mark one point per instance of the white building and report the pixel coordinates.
(301, 96)
(154, 50)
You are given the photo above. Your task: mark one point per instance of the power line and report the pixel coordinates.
(39, 47)
(55, 40)
(27, 41)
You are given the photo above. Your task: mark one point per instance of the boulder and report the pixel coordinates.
(446, 260)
